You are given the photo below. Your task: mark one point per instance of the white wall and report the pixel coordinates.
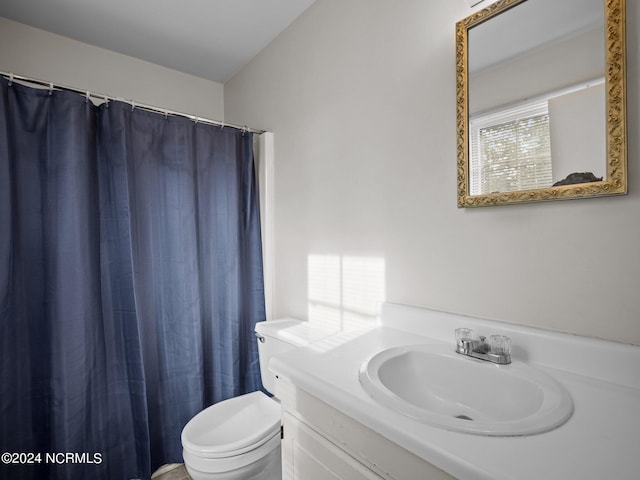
(564, 63)
(32, 52)
(578, 129)
(361, 97)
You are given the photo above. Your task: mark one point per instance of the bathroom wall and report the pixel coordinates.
(360, 95)
(578, 140)
(32, 52)
(561, 64)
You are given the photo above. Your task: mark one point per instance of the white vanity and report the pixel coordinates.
(334, 429)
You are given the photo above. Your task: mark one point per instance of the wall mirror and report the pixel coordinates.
(541, 101)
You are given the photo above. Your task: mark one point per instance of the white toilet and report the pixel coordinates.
(239, 438)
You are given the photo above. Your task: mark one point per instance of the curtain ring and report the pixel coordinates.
(196, 120)
(10, 78)
(87, 97)
(50, 88)
(221, 125)
(133, 105)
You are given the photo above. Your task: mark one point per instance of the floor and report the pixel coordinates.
(173, 471)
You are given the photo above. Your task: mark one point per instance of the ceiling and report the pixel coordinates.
(529, 26)
(212, 39)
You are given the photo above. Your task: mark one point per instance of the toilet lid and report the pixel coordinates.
(232, 427)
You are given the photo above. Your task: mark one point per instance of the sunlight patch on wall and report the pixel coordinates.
(345, 292)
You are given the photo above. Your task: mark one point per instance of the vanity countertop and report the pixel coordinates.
(600, 440)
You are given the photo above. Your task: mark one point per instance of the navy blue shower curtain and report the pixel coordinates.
(130, 282)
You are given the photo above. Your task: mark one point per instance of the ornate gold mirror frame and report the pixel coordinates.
(615, 182)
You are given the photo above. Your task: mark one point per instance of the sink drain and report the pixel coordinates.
(464, 417)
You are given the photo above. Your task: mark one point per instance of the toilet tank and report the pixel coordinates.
(279, 336)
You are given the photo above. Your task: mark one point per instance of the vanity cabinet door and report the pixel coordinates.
(307, 455)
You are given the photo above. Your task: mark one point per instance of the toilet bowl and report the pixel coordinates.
(239, 438)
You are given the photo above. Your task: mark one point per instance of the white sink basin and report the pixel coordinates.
(435, 385)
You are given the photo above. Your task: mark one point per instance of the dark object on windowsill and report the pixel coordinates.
(572, 178)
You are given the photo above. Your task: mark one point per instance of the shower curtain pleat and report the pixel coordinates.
(130, 281)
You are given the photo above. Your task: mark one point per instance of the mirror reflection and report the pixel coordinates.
(536, 94)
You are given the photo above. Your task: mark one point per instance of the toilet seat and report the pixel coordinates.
(232, 427)
(235, 466)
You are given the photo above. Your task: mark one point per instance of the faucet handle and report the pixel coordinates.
(463, 335)
(500, 344)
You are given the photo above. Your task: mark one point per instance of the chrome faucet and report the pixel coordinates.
(497, 350)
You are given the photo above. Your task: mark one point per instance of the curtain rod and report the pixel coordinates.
(107, 98)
